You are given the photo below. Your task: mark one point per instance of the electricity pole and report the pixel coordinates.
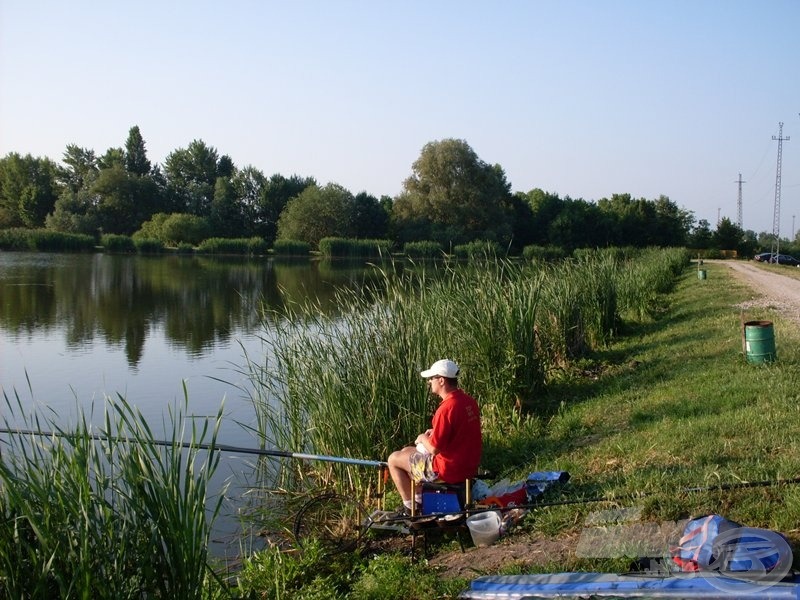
(739, 204)
(776, 220)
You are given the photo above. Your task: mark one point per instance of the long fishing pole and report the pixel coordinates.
(204, 446)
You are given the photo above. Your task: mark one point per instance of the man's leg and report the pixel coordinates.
(399, 468)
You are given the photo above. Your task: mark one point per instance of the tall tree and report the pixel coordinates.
(275, 196)
(136, 161)
(191, 176)
(370, 219)
(28, 190)
(80, 167)
(458, 195)
(226, 218)
(316, 213)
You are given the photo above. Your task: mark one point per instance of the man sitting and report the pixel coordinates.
(451, 450)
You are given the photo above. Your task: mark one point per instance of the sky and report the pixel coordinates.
(582, 98)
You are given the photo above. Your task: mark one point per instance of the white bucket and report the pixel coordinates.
(484, 527)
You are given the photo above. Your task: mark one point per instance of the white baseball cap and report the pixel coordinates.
(443, 368)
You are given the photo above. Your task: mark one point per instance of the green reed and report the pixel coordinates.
(105, 512)
(348, 384)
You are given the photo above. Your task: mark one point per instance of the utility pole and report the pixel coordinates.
(739, 204)
(776, 220)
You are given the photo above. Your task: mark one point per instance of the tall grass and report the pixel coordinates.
(291, 248)
(423, 249)
(44, 240)
(348, 384)
(244, 246)
(107, 512)
(332, 247)
(121, 244)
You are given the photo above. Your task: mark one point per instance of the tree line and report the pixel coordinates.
(451, 197)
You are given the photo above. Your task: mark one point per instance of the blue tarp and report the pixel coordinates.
(607, 585)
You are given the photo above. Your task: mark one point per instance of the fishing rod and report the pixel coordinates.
(204, 446)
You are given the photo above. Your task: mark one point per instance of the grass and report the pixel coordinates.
(105, 512)
(662, 420)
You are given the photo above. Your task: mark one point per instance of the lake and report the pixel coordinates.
(80, 327)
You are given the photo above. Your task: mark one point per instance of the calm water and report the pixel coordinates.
(80, 327)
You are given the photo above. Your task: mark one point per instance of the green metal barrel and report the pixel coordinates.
(759, 341)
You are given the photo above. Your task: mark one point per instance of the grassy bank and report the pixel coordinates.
(670, 404)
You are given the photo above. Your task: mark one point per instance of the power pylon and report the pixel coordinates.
(776, 220)
(739, 203)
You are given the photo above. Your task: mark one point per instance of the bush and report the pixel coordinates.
(291, 248)
(44, 240)
(216, 245)
(148, 245)
(423, 249)
(544, 253)
(332, 247)
(184, 248)
(478, 249)
(122, 244)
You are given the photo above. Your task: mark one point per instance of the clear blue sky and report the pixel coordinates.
(582, 98)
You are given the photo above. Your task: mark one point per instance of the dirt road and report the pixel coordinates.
(774, 290)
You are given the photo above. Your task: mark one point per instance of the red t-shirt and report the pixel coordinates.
(457, 437)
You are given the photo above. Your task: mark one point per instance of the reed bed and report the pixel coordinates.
(348, 384)
(44, 240)
(333, 247)
(106, 512)
(117, 244)
(241, 246)
(291, 248)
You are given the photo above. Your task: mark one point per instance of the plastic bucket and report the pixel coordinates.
(701, 273)
(484, 527)
(759, 342)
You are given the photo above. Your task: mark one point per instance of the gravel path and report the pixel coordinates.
(777, 291)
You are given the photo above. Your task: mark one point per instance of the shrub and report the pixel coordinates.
(291, 248)
(332, 247)
(478, 249)
(216, 245)
(44, 240)
(544, 253)
(423, 249)
(112, 242)
(148, 245)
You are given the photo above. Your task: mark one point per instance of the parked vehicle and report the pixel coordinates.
(763, 257)
(785, 259)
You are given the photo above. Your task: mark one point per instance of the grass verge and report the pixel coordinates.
(661, 421)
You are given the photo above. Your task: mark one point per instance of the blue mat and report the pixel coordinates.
(607, 585)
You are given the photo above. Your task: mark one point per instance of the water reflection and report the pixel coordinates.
(197, 301)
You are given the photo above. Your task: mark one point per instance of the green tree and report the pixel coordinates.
(370, 219)
(28, 190)
(577, 225)
(80, 167)
(123, 200)
(545, 207)
(226, 218)
(700, 237)
(458, 196)
(275, 195)
(114, 157)
(728, 235)
(316, 213)
(136, 161)
(191, 175)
